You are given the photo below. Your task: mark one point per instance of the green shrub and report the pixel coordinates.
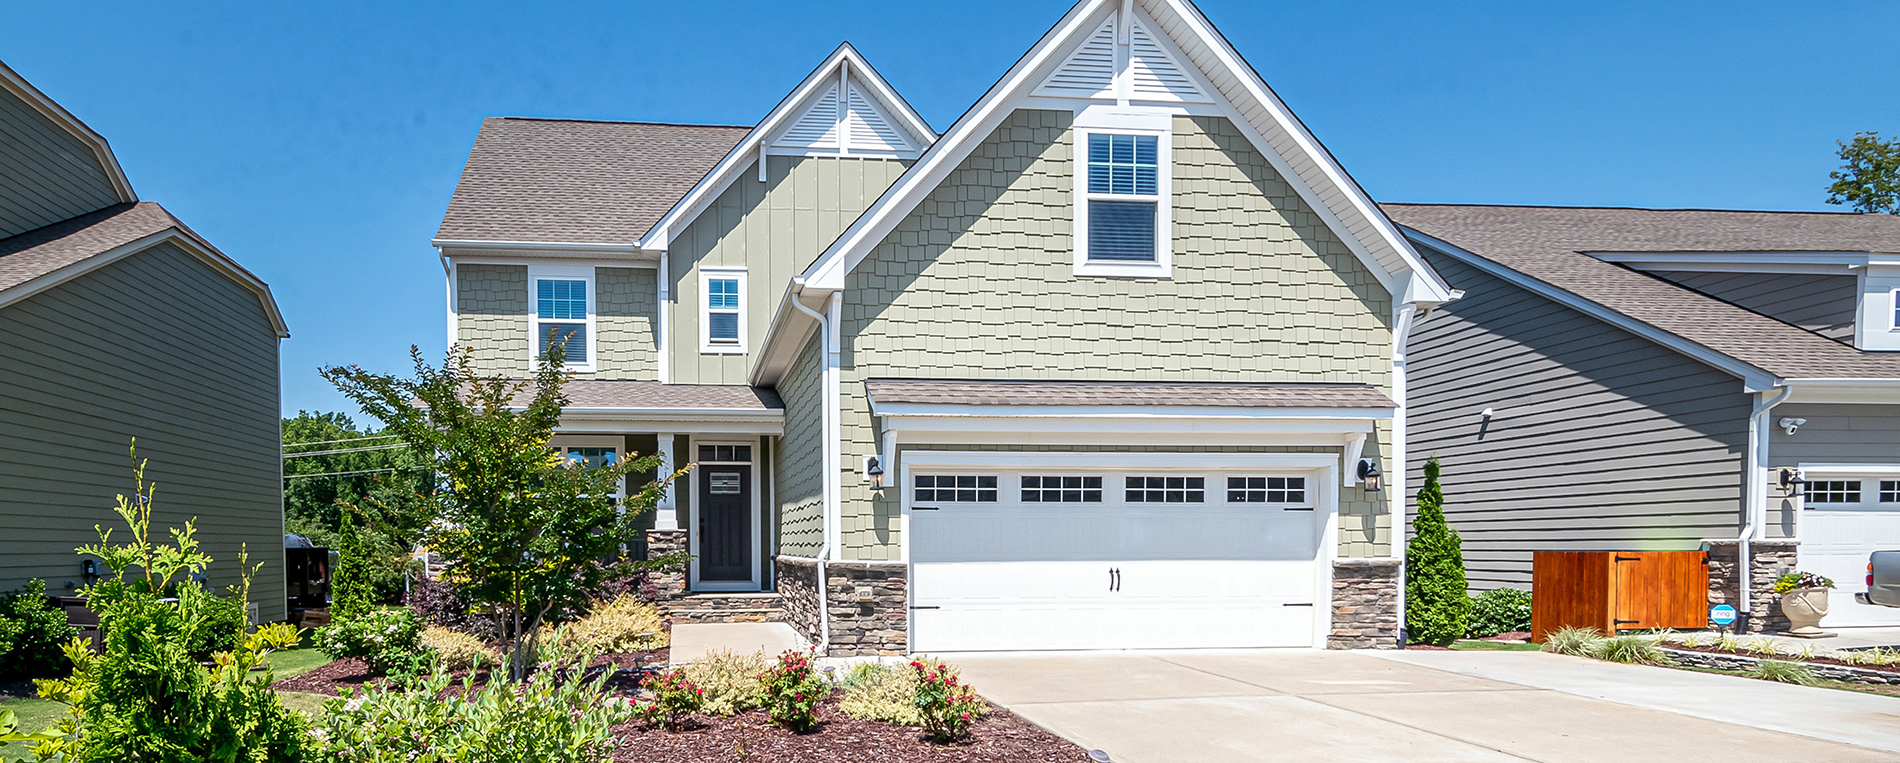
(793, 691)
(455, 650)
(1633, 650)
(1784, 672)
(32, 632)
(352, 594)
(226, 619)
(1437, 608)
(732, 682)
(1500, 610)
(1798, 580)
(674, 698)
(545, 719)
(876, 692)
(387, 640)
(1576, 642)
(948, 707)
(625, 624)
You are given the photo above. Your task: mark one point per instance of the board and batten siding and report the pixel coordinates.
(492, 320)
(978, 282)
(801, 460)
(157, 346)
(774, 230)
(1823, 304)
(50, 174)
(1599, 439)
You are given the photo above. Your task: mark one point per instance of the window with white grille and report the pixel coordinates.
(1266, 490)
(1833, 491)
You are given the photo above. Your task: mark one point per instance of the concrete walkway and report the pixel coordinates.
(693, 641)
(1208, 707)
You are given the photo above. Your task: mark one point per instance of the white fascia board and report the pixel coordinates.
(101, 150)
(1823, 263)
(1844, 391)
(191, 244)
(1754, 379)
(1114, 460)
(566, 248)
(729, 168)
(1832, 469)
(784, 336)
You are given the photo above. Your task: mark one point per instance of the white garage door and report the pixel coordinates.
(1847, 518)
(1080, 560)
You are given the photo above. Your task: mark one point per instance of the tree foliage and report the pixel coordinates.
(1437, 608)
(351, 591)
(1869, 177)
(380, 486)
(524, 530)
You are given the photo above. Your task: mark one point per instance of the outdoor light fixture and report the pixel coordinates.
(1369, 475)
(1790, 423)
(1792, 479)
(874, 471)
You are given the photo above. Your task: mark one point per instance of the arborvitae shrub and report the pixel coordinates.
(1437, 608)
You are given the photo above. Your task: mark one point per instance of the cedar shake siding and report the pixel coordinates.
(627, 319)
(50, 174)
(492, 316)
(1600, 439)
(978, 282)
(801, 470)
(157, 346)
(492, 319)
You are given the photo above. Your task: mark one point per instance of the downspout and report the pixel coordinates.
(665, 319)
(1755, 494)
(828, 415)
(1395, 472)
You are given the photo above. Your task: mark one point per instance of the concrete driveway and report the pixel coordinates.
(1207, 707)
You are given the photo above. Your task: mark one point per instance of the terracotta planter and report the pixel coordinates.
(1805, 607)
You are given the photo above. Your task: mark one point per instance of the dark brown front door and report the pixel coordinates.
(725, 527)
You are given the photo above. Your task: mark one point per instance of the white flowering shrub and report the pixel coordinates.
(386, 640)
(552, 717)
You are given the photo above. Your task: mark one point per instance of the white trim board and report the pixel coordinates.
(698, 506)
(1831, 468)
(191, 244)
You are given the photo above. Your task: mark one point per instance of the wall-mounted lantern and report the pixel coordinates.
(1369, 475)
(874, 471)
(1792, 480)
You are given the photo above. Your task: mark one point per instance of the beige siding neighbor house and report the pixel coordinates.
(118, 322)
(1116, 361)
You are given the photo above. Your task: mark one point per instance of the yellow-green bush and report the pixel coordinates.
(882, 693)
(457, 650)
(730, 681)
(625, 624)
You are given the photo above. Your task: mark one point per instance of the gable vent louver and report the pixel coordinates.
(1157, 77)
(1090, 71)
(818, 126)
(871, 129)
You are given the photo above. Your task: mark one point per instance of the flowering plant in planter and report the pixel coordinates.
(674, 698)
(948, 706)
(1798, 580)
(793, 691)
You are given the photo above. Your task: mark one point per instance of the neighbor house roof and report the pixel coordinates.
(1553, 245)
(1210, 394)
(45, 257)
(653, 395)
(578, 181)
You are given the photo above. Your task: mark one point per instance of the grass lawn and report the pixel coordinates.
(34, 714)
(295, 662)
(1493, 646)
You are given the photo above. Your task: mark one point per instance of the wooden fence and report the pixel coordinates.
(1618, 590)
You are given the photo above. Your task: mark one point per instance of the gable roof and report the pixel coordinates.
(14, 83)
(1306, 164)
(575, 181)
(43, 258)
(1551, 246)
(791, 117)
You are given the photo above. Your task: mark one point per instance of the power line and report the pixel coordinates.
(347, 450)
(346, 439)
(363, 471)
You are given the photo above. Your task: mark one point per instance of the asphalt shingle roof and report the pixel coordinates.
(41, 251)
(1237, 395)
(597, 393)
(578, 181)
(1550, 244)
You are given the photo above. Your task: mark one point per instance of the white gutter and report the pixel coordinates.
(832, 486)
(565, 246)
(1756, 492)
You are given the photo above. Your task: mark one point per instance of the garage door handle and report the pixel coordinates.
(926, 606)
(1114, 579)
(1296, 604)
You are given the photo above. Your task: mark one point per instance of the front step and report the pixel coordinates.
(726, 608)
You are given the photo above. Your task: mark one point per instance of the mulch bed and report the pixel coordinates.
(1509, 637)
(351, 673)
(1819, 660)
(1000, 737)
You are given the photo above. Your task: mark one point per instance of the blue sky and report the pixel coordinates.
(318, 143)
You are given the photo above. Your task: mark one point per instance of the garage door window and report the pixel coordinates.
(1166, 489)
(1834, 491)
(1890, 491)
(960, 488)
(1266, 490)
(1062, 489)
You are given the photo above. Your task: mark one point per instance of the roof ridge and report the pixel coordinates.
(1624, 208)
(624, 122)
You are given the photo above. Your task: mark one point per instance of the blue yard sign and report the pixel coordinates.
(1722, 615)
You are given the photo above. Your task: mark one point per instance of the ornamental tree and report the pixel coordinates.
(524, 531)
(1437, 608)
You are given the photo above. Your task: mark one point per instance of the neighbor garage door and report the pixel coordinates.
(1072, 559)
(1847, 518)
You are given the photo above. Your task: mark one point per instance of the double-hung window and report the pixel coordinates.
(561, 313)
(722, 311)
(1122, 192)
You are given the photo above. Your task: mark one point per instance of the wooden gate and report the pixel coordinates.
(1618, 590)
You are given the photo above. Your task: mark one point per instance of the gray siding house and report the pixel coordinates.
(116, 322)
(1664, 380)
(1115, 361)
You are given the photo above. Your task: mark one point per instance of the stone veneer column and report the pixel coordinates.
(1772, 559)
(798, 595)
(671, 584)
(868, 605)
(1365, 607)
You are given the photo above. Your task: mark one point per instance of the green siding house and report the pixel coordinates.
(118, 322)
(1117, 360)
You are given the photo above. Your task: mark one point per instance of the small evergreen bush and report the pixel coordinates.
(1437, 607)
(455, 650)
(793, 691)
(352, 594)
(1500, 610)
(226, 618)
(625, 624)
(32, 632)
(876, 692)
(732, 682)
(387, 640)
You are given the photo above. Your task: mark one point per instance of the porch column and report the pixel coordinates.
(666, 514)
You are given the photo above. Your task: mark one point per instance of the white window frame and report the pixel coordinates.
(706, 344)
(561, 443)
(539, 273)
(1105, 120)
(699, 502)
(1893, 312)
